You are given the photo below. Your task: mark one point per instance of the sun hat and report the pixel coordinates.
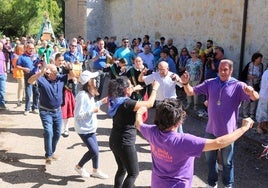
(86, 76)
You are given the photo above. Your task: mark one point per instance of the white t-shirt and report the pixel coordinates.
(167, 88)
(264, 85)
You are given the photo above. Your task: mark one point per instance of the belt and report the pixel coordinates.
(49, 109)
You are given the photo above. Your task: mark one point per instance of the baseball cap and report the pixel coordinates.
(86, 76)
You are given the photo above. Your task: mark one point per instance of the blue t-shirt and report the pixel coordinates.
(70, 57)
(51, 92)
(101, 62)
(29, 62)
(157, 52)
(171, 64)
(209, 72)
(124, 53)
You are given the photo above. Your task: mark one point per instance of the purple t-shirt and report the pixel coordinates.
(224, 99)
(173, 156)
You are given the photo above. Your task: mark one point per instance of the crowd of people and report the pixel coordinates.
(64, 80)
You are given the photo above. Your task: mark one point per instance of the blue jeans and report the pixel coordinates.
(30, 89)
(227, 154)
(127, 161)
(3, 79)
(52, 122)
(93, 150)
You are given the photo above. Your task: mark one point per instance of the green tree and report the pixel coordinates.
(24, 17)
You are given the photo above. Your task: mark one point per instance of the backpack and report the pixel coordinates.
(244, 74)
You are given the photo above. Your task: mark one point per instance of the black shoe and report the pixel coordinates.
(3, 107)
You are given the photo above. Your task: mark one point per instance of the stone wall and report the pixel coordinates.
(257, 29)
(75, 18)
(184, 21)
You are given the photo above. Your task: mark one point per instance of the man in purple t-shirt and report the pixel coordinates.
(224, 94)
(173, 153)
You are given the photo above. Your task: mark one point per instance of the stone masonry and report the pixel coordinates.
(185, 21)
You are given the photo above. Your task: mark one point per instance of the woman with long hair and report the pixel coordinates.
(122, 109)
(85, 116)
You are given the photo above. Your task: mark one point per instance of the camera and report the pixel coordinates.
(210, 59)
(211, 55)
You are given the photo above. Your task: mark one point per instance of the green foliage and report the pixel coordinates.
(24, 17)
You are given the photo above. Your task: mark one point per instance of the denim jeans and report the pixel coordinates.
(93, 150)
(52, 122)
(30, 89)
(127, 161)
(3, 79)
(228, 164)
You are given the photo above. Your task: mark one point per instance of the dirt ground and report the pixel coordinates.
(22, 162)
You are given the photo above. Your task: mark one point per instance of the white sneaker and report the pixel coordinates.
(65, 134)
(82, 172)
(99, 174)
(209, 186)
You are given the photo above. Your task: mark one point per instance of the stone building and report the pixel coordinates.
(239, 26)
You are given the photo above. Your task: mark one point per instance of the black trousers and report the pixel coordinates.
(127, 161)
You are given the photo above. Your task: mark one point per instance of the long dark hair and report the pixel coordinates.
(256, 56)
(91, 90)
